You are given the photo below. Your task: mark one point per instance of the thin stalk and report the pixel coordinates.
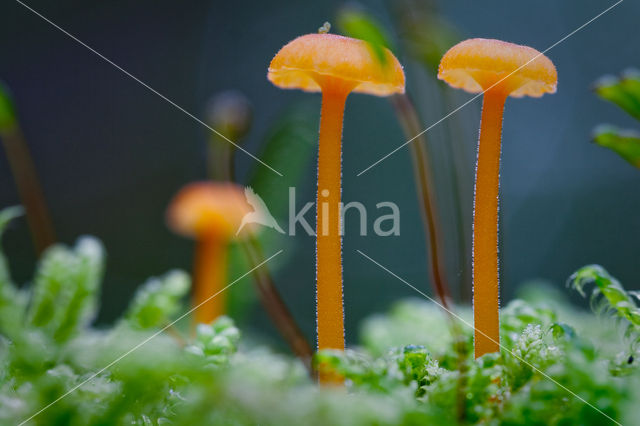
(485, 226)
(329, 297)
(329, 245)
(408, 118)
(28, 186)
(220, 153)
(275, 306)
(210, 276)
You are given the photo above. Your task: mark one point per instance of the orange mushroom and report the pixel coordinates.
(335, 66)
(498, 70)
(211, 213)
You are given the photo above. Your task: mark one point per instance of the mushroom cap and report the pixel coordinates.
(477, 64)
(208, 210)
(307, 61)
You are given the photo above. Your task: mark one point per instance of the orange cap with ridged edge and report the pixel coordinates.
(475, 65)
(304, 62)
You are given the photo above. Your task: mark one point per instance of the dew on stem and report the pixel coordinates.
(498, 70)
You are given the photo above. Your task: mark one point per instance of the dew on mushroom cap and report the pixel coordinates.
(477, 64)
(307, 61)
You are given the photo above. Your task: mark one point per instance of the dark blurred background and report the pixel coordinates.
(110, 154)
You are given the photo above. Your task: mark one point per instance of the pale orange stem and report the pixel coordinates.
(485, 227)
(330, 312)
(210, 276)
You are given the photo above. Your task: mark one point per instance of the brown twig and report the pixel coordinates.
(28, 186)
(408, 118)
(275, 306)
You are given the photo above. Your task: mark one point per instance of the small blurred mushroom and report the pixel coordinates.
(335, 66)
(211, 213)
(498, 70)
(230, 113)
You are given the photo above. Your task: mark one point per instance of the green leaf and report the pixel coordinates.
(66, 288)
(289, 147)
(12, 301)
(359, 369)
(413, 322)
(614, 295)
(623, 91)
(357, 23)
(7, 109)
(625, 143)
(216, 342)
(6, 216)
(518, 314)
(158, 300)
(560, 330)
(416, 365)
(425, 34)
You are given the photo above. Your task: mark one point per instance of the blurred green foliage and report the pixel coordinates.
(625, 143)
(293, 136)
(426, 34)
(158, 300)
(409, 369)
(608, 295)
(623, 91)
(356, 23)
(7, 109)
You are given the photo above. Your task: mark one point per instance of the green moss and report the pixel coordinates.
(409, 370)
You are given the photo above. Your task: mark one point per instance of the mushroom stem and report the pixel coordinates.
(330, 312)
(485, 226)
(210, 275)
